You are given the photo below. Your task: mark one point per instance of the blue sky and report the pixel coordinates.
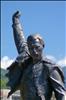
(44, 17)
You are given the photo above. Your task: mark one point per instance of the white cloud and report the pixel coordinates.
(62, 62)
(51, 58)
(6, 61)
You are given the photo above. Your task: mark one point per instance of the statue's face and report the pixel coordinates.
(35, 49)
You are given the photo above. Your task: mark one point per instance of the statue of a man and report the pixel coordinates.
(35, 76)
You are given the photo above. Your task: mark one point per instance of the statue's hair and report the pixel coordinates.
(37, 37)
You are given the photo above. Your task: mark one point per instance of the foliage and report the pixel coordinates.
(3, 83)
(3, 79)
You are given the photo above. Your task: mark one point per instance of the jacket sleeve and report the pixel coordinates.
(18, 33)
(14, 75)
(57, 83)
(16, 69)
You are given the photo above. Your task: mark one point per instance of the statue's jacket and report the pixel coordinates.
(33, 79)
(37, 76)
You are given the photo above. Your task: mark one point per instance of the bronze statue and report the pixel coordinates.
(35, 76)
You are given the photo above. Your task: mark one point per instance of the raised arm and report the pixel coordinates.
(19, 38)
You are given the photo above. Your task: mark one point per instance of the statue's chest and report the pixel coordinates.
(28, 74)
(35, 72)
(40, 72)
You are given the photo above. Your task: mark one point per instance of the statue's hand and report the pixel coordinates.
(16, 15)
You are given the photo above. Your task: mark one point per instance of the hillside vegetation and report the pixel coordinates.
(3, 79)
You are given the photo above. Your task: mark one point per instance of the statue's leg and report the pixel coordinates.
(21, 97)
(37, 98)
(48, 92)
(48, 97)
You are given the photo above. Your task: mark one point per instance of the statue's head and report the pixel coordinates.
(35, 45)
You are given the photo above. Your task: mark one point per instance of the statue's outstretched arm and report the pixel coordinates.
(19, 39)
